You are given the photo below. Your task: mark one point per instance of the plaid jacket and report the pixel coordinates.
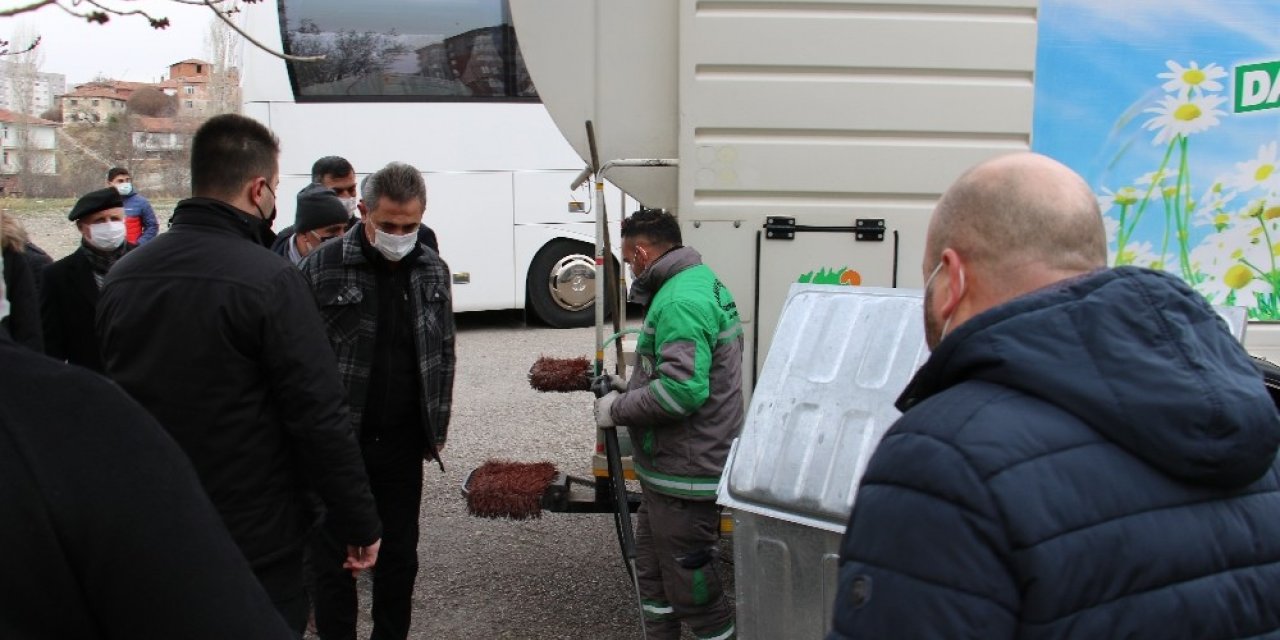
(345, 287)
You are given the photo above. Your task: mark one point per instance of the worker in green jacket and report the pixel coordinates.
(683, 405)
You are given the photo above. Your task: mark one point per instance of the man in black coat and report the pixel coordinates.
(71, 285)
(1087, 453)
(221, 341)
(111, 532)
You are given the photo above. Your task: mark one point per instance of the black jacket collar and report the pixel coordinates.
(208, 213)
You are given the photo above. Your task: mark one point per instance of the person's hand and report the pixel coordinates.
(604, 407)
(361, 558)
(601, 385)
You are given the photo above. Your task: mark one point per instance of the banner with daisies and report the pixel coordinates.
(1171, 110)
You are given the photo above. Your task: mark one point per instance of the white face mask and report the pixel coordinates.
(394, 247)
(107, 236)
(350, 204)
(946, 324)
(125, 188)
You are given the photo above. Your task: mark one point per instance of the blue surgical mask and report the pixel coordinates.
(125, 188)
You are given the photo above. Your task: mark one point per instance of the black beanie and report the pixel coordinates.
(318, 207)
(95, 201)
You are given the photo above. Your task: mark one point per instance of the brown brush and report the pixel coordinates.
(560, 374)
(505, 489)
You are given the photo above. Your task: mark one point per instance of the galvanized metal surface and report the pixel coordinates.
(840, 358)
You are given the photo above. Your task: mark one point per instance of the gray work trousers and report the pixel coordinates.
(676, 559)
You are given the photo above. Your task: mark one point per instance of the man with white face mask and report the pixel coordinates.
(385, 299)
(72, 284)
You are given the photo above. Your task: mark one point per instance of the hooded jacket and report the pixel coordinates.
(1095, 459)
(684, 400)
(221, 341)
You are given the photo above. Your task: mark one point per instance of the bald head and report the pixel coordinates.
(1020, 214)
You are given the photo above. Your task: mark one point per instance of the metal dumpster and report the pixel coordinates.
(839, 359)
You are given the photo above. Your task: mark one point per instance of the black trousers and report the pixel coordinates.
(282, 580)
(395, 476)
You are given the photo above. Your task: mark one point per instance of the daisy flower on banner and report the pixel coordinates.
(1185, 79)
(1183, 116)
(1260, 172)
(1211, 207)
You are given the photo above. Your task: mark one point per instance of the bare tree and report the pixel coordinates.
(149, 101)
(222, 48)
(102, 11)
(24, 68)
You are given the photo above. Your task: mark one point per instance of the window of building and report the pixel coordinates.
(189, 89)
(73, 102)
(95, 103)
(199, 68)
(464, 50)
(6, 158)
(190, 104)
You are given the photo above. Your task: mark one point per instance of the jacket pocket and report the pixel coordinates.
(434, 294)
(340, 309)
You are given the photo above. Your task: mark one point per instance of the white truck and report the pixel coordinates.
(813, 138)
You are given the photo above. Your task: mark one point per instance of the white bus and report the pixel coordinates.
(443, 87)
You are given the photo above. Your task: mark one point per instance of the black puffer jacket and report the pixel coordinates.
(221, 341)
(1094, 460)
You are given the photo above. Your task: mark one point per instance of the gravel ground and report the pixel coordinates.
(558, 577)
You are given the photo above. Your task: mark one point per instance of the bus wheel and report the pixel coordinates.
(562, 284)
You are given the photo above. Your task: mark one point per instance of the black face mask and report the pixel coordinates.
(267, 237)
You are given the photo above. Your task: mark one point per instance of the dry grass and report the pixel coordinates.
(45, 220)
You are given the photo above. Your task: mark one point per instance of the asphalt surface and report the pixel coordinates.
(558, 577)
(561, 576)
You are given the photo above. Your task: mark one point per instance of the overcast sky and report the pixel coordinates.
(126, 48)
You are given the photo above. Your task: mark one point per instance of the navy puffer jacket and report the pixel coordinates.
(1093, 460)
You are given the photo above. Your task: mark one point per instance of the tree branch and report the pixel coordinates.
(101, 14)
(5, 13)
(234, 27)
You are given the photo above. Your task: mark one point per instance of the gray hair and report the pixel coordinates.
(398, 182)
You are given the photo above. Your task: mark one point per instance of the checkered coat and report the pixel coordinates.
(345, 287)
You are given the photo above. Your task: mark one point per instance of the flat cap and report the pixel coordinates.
(95, 201)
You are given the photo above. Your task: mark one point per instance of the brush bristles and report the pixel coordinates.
(560, 374)
(504, 489)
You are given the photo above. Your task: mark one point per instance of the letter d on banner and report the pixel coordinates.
(1257, 87)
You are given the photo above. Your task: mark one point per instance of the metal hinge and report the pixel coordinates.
(863, 230)
(779, 228)
(871, 229)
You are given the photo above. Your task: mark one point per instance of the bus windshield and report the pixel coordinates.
(393, 50)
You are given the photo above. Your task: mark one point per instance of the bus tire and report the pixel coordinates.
(561, 284)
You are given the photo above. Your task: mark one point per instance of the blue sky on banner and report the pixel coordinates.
(1097, 74)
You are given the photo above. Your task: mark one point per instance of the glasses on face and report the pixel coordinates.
(323, 239)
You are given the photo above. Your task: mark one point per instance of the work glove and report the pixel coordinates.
(604, 406)
(603, 384)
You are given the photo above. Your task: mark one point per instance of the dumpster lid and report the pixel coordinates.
(839, 360)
